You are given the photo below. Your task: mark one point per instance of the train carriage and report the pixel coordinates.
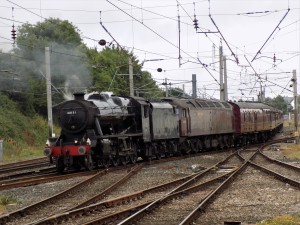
(255, 121)
(204, 123)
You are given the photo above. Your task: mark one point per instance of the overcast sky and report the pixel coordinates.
(253, 31)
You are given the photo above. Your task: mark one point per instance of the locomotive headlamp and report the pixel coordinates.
(81, 150)
(47, 151)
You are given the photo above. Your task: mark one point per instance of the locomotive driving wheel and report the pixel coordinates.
(60, 166)
(115, 161)
(106, 163)
(88, 162)
(124, 160)
(133, 158)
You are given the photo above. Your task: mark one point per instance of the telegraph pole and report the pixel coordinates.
(194, 86)
(294, 80)
(130, 77)
(49, 97)
(222, 97)
(225, 80)
(166, 82)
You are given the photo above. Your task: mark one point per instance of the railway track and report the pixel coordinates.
(28, 173)
(25, 169)
(165, 212)
(205, 212)
(24, 162)
(194, 215)
(197, 191)
(33, 175)
(66, 199)
(23, 165)
(185, 198)
(137, 199)
(35, 179)
(288, 170)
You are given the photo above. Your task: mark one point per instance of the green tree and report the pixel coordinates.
(69, 68)
(178, 93)
(74, 67)
(278, 103)
(32, 39)
(110, 69)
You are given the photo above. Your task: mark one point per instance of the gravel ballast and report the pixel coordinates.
(252, 197)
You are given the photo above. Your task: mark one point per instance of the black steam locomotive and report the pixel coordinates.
(101, 129)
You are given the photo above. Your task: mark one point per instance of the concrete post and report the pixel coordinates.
(1, 150)
(49, 96)
(131, 93)
(294, 79)
(194, 86)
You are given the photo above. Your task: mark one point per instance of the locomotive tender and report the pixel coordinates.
(104, 130)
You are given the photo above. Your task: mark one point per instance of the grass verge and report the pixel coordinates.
(281, 220)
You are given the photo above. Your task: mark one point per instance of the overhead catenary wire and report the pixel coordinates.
(258, 75)
(84, 36)
(200, 56)
(223, 38)
(259, 51)
(40, 16)
(204, 65)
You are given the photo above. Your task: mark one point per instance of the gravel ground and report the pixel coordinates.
(28, 195)
(251, 198)
(153, 175)
(157, 174)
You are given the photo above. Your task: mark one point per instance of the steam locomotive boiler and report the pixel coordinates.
(93, 132)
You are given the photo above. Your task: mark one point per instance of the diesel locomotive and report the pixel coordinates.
(100, 129)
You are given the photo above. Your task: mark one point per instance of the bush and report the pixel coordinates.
(24, 136)
(6, 200)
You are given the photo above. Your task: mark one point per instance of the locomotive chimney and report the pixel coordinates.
(79, 96)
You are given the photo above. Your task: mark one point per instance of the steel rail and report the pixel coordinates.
(76, 212)
(131, 171)
(26, 210)
(34, 173)
(201, 207)
(24, 162)
(95, 209)
(181, 184)
(41, 179)
(152, 205)
(23, 167)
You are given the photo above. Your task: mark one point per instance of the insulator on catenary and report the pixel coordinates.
(13, 33)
